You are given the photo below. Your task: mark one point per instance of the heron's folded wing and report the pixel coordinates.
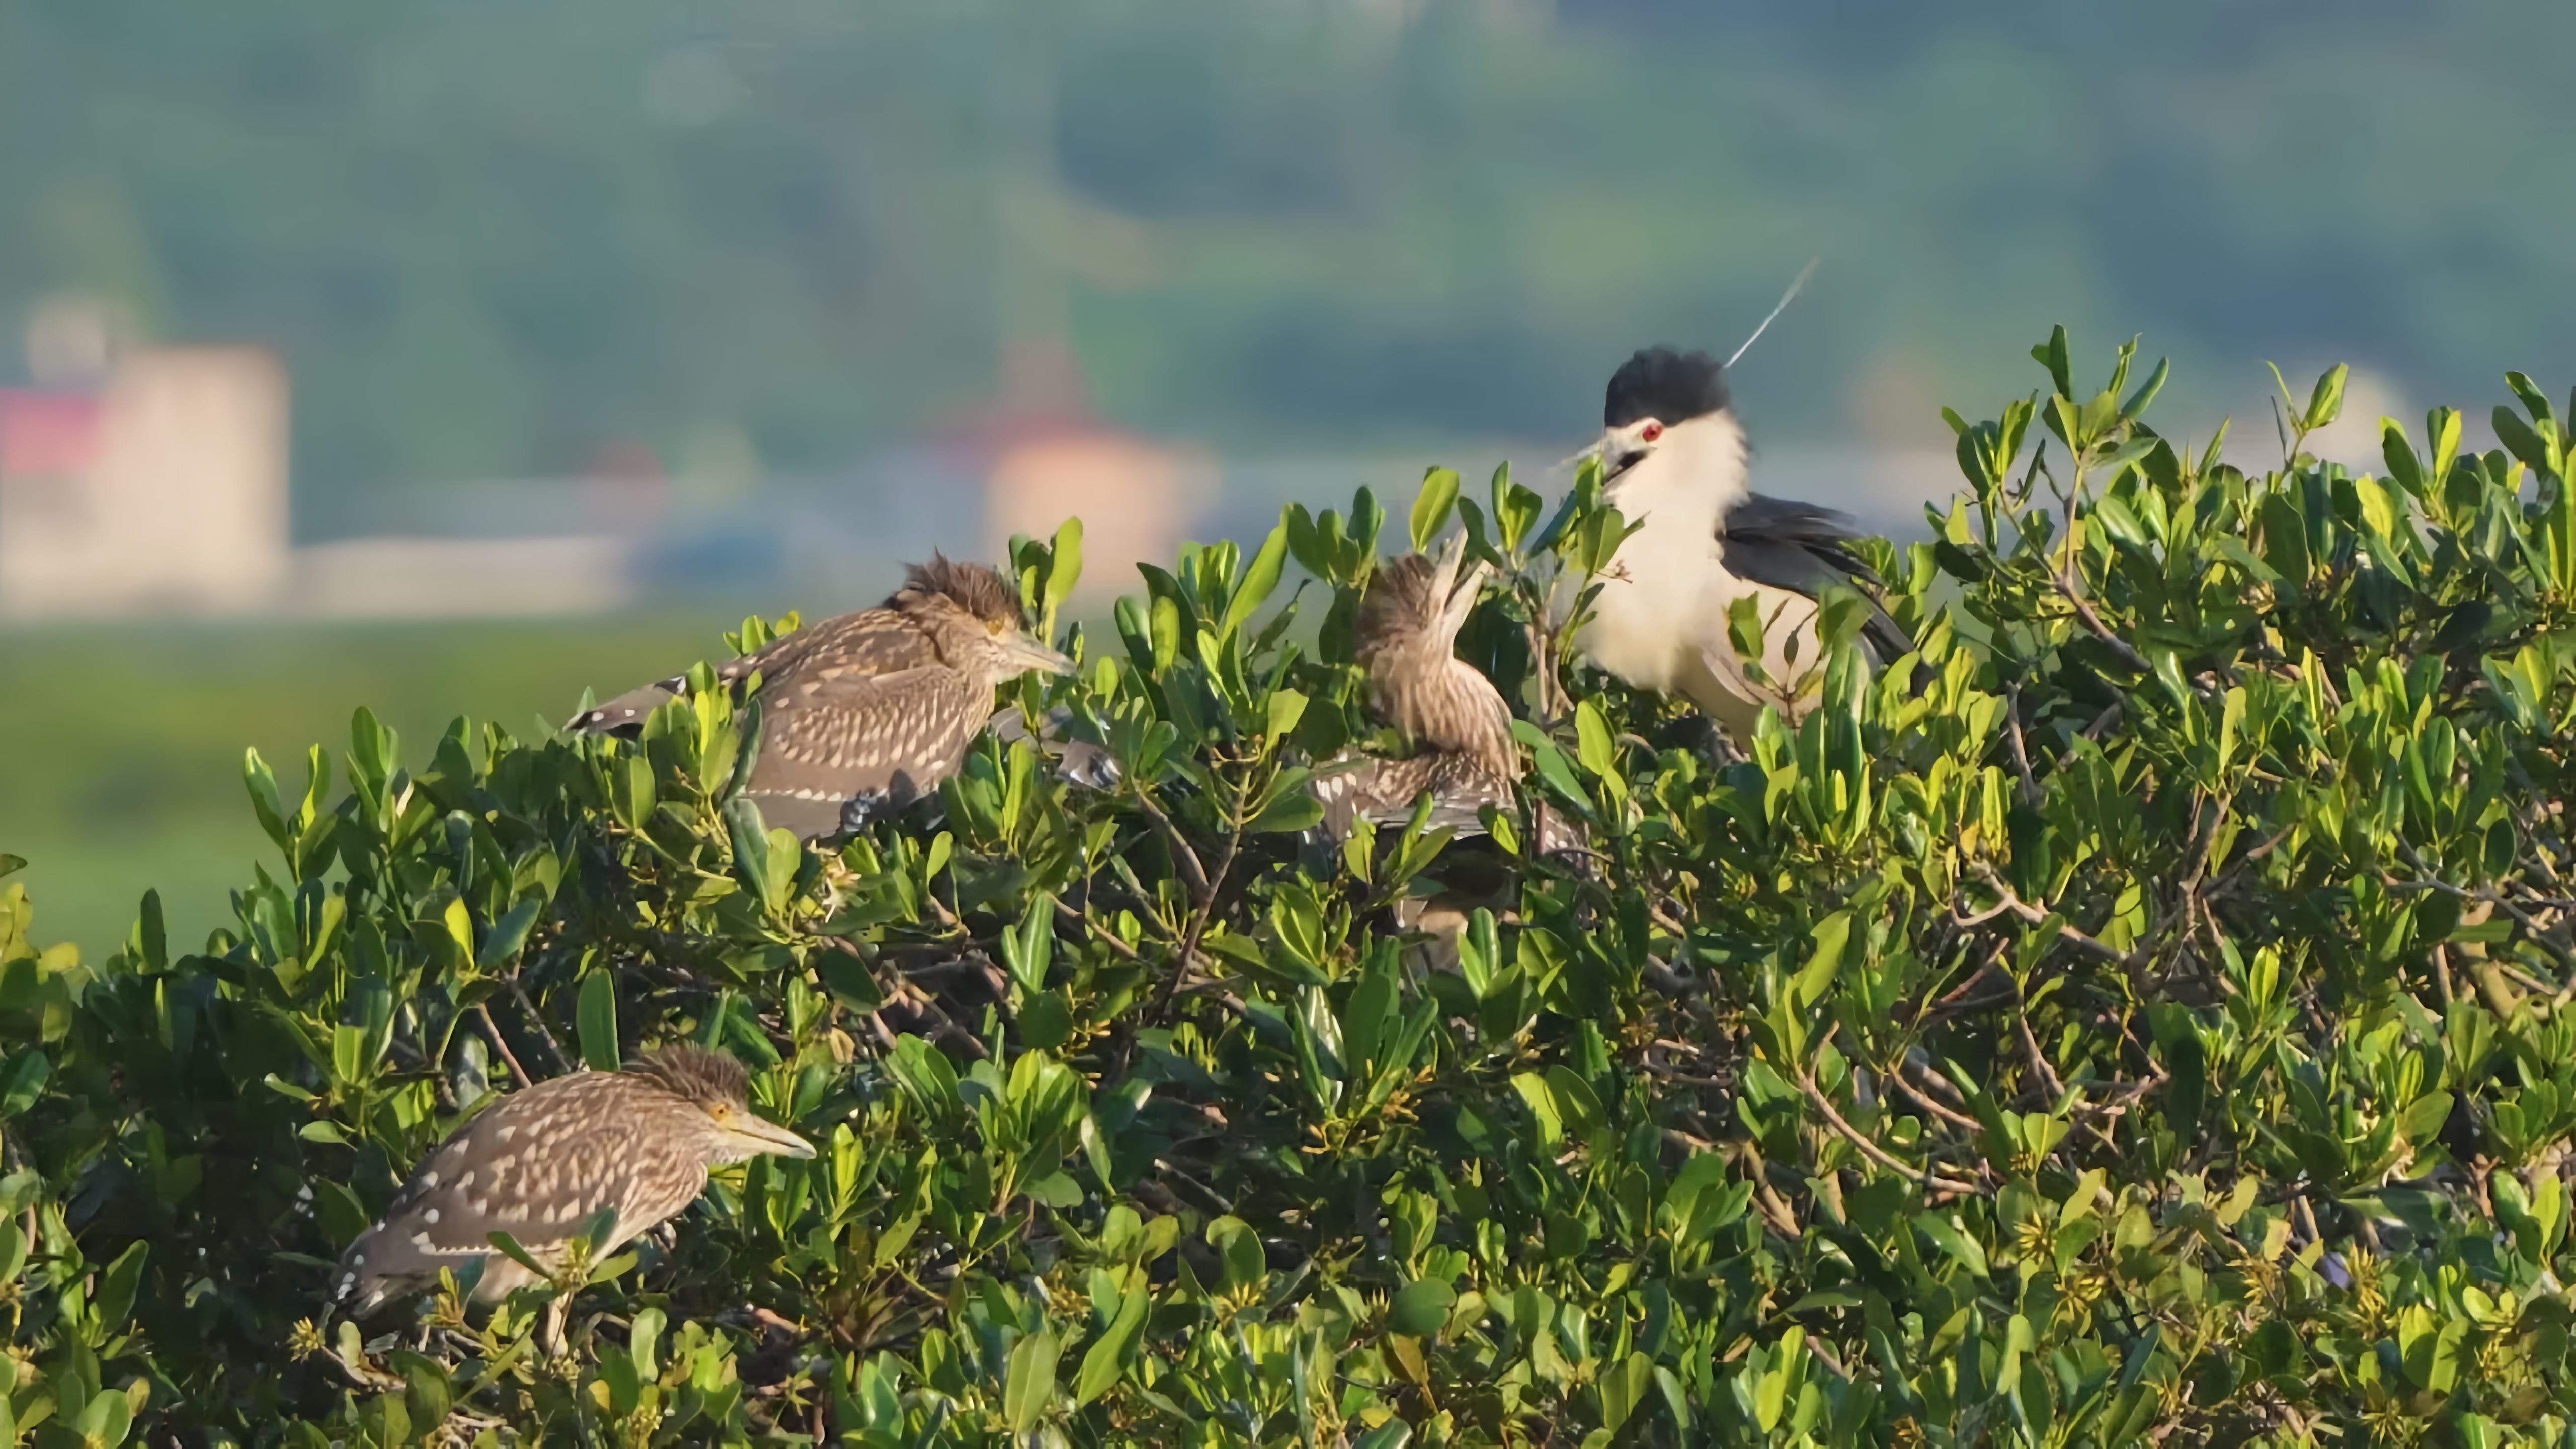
(625, 714)
(536, 1165)
(871, 641)
(835, 737)
(1803, 548)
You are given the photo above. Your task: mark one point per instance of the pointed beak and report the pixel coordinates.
(1462, 599)
(762, 1136)
(1023, 653)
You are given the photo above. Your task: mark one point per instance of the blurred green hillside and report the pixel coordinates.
(124, 744)
(492, 238)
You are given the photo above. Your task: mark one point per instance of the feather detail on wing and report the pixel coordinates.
(870, 641)
(830, 736)
(1803, 548)
(1356, 791)
(515, 1169)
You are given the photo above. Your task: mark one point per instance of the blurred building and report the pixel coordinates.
(158, 487)
(1046, 456)
(139, 480)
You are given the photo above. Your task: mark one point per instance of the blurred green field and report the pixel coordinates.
(121, 745)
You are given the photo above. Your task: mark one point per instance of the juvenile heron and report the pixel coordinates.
(1404, 638)
(869, 711)
(539, 1163)
(1674, 458)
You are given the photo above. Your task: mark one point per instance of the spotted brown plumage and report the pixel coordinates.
(1404, 639)
(541, 1162)
(869, 711)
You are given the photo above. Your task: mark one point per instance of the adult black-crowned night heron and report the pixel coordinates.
(1674, 458)
(541, 1162)
(868, 712)
(1404, 639)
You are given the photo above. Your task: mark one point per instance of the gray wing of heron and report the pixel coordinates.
(1804, 548)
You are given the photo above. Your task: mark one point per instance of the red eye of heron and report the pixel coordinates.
(1650, 432)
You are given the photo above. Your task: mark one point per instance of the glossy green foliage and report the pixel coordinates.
(2141, 1015)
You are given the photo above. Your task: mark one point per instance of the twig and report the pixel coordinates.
(2432, 881)
(1776, 1208)
(1922, 1099)
(1184, 859)
(492, 1034)
(2047, 1074)
(946, 1027)
(2035, 916)
(1872, 1150)
(1102, 934)
(2093, 622)
(2093, 731)
(563, 1060)
(2030, 793)
(1208, 885)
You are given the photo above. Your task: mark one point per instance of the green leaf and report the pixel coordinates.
(598, 1021)
(2424, 1117)
(118, 1285)
(1290, 810)
(1817, 976)
(23, 1081)
(1286, 707)
(1593, 745)
(2053, 355)
(1431, 506)
(1947, 1235)
(106, 1420)
(1258, 582)
(510, 933)
(263, 799)
(749, 836)
(1535, 1093)
(1065, 571)
(1105, 1362)
(1420, 1308)
(1046, 1020)
(2325, 401)
(2285, 540)
(509, 1247)
(1029, 1385)
(151, 937)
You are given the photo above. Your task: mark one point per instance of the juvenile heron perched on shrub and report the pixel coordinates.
(869, 711)
(1404, 638)
(541, 1162)
(1673, 457)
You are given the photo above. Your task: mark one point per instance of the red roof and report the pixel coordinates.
(47, 434)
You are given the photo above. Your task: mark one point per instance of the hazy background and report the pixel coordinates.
(734, 286)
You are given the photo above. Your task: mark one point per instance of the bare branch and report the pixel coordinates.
(2093, 624)
(492, 1034)
(1871, 1149)
(2030, 793)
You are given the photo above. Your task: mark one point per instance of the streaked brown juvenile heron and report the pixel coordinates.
(868, 712)
(1673, 457)
(541, 1162)
(1404, 638)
